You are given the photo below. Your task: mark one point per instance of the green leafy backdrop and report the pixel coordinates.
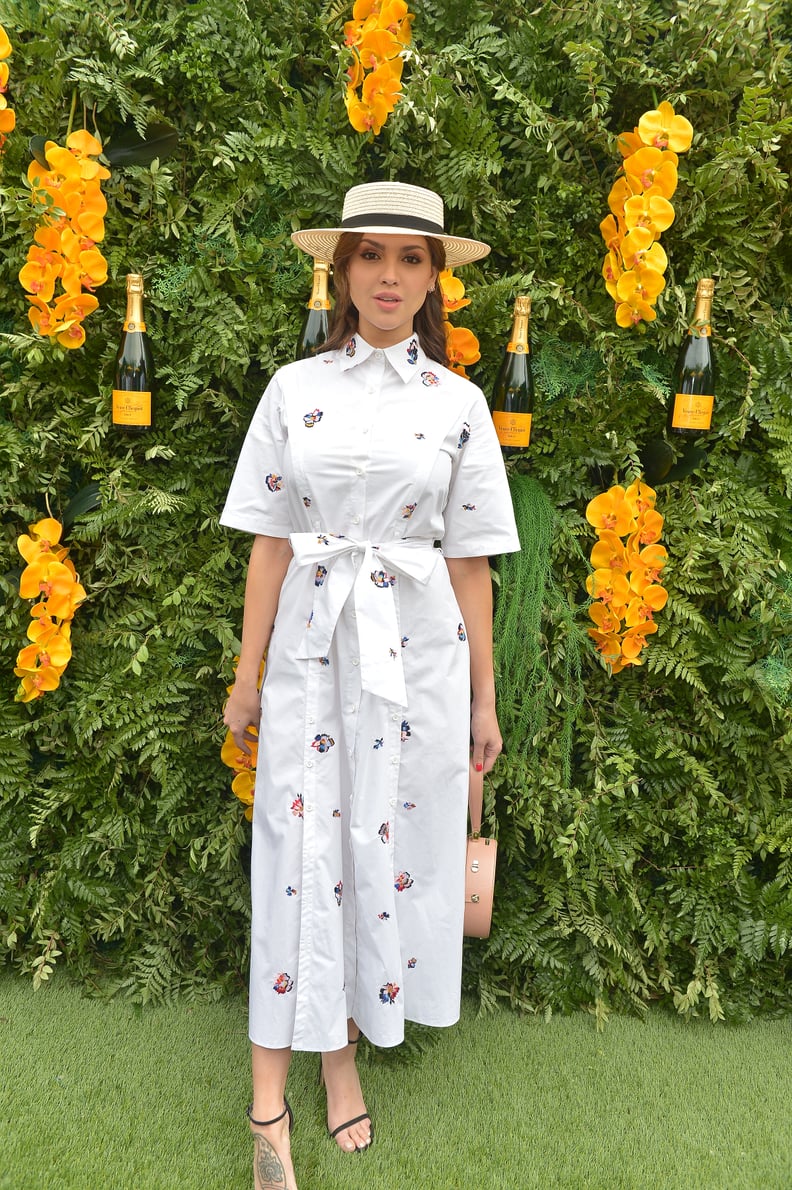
(646, 851)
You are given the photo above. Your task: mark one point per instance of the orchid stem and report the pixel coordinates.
(71, 113)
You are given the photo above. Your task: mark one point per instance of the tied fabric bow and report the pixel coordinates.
(367, 571)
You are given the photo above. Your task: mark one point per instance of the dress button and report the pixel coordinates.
(395, 718)
(311, 719)
(356, 661)
(377, 355)
(394, 760)
(397, 532)
(393, 801)
(359, 471)
(309, 764)
(355, 520)
(309, 807)
(317, 524)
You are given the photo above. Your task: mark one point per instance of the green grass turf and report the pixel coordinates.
(99, 1096)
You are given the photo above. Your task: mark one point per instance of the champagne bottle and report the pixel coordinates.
(513, 396)
(134, 367)
(315, 324)
(690, 409)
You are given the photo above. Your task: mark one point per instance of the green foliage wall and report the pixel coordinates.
(656, 865)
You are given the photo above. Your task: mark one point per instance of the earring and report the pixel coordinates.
(431, 288)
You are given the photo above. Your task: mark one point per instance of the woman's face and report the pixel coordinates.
(389, 276)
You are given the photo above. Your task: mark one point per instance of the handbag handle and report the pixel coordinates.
(475, 800)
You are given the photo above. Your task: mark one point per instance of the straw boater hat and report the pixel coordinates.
(391, 208)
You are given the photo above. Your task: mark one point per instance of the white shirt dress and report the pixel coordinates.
(376, 464)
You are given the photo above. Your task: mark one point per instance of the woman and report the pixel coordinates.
(372, 479)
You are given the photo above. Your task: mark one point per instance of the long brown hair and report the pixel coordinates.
(428, 322)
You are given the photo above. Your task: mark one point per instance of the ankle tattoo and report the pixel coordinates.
(269, 1168)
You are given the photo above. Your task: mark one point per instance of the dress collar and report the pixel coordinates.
(407, 358)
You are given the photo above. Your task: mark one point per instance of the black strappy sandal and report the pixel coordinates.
(357, 1119)
(287, 1111)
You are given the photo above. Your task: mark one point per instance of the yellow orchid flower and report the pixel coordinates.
(5, 44)
(376, 47)
(362, 116)
(71, 334)
(642, 607)
(613, 231)
(363, 9)
(605, 617)
(42, 539)
(634, 639)
(61, 160)
(7, 120)
(648, 530)
(611, 511)
(609, 586)
(82, 144)
(640, 497)
(628, 142)
(609, 552)
(463, 348)
(645, 567)
(355, 72)
(453, 291)
(39, 279)
(621, 190)
(633, 310)
(612, 271)
(55, 582)
(651, 211)
(42, 318)
(4, 72)
(243, 786)
(608, 645)
(652, 167)
(55, 652)
(234, 757)
(640, 248)
(662, 129)
(384, 83)
(34, 683)
(641, 280)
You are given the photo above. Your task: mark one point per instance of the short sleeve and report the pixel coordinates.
(479, 517)
(257, 500)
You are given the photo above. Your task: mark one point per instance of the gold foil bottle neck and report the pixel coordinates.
(522, 306)
(134, 283)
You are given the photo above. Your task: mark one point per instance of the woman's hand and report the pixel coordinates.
(487, 741)
(243, 711)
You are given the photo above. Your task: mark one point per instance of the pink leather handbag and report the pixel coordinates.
(479, 866)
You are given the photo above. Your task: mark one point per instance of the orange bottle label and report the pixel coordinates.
(131, 408)
(692, 412)
(513, 429)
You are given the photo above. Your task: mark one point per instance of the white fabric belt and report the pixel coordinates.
(368, 571)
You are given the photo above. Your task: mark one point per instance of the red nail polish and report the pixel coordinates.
(479, 768)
